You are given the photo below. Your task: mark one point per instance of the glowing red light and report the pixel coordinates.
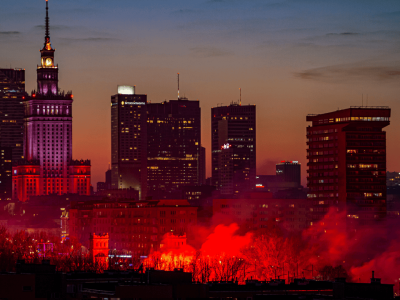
(282, 161)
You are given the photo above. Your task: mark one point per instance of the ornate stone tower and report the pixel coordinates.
(48, 137)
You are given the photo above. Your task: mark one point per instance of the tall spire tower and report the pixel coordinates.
(49, 168)
(47, 72)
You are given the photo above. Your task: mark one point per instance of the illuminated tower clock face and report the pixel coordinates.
(48, 62)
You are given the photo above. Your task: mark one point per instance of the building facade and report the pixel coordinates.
(347, 162)
(129, 140)
(47, 167)
(12, 95)
(289, 171)
(260, 211)
(137, 227)
(5, 173)
(173, 147)
(233, 139)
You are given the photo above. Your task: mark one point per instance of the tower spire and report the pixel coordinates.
(47, 20)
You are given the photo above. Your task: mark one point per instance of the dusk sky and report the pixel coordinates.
(291, 58)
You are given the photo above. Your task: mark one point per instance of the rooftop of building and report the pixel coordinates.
(233, 105)
(354, 113)
(289, 162)
(107, 203)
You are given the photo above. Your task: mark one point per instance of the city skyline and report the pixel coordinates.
(285, 56)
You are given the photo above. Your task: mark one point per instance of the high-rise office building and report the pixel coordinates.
(202, 166)
(129, 140)
(233, 139)
(173, 147)
(347, 162)
(289, 171)
(48, 167)
(5, 173)
(12, 94)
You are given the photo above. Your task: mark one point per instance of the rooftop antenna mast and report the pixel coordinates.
(178, 86)
(240, 99)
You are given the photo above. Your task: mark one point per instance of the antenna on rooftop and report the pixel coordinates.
(362, 100)
(240, 99)
(178, 86)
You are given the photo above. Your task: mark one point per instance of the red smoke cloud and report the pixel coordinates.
(222, 253)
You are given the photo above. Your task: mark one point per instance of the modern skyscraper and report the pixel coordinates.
(5, 173)
(289, 171)
(129, 140)
(347, 162)
(173, 147)
(48, 167)
(202, 166)
(233, 138)
(12, 94)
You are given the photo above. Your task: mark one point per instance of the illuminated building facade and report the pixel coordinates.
(136, 226)
(128, 140)
(5, 173)
(347, 162)
(257, 211)
(99, 247)
(12, 94)
(48, 167)
(173, 147)
(289, 171)
(233, 138)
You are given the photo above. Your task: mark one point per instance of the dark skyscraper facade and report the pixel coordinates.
(347, 163)
(290, 171)
(233, 138)
(5, 173)
(12, 95)
(48, 167)
(202, 166)
(173, 147)
(128, 140)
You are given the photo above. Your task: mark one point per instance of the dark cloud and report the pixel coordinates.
(53, 27)
(346, 73)
(343, 33)
(89, 39)
(209, 52)
(9, 32)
